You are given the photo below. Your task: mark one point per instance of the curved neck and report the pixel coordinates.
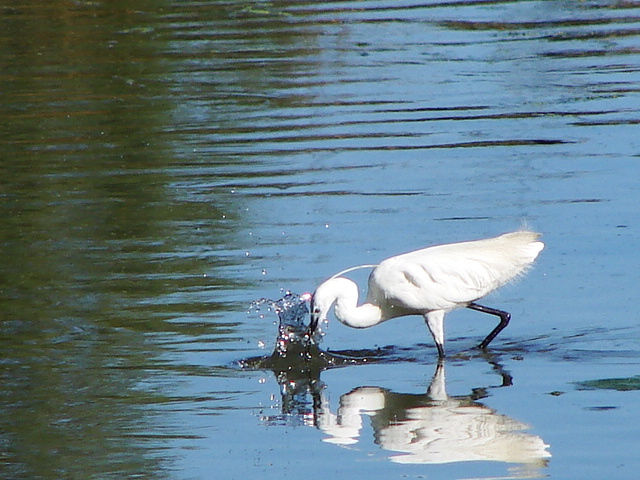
(342, 294)
(348, 312)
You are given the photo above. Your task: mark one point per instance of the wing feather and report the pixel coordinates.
(447, 276)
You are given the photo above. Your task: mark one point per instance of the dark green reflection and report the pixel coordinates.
(100, 251)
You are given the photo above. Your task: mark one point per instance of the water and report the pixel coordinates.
(165, 163)
(430, 428)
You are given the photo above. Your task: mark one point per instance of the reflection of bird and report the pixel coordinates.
(434, 428)
(431, 282)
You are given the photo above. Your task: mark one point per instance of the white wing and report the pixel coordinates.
(447, 276)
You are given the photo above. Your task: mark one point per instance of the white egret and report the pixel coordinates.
(430, 282)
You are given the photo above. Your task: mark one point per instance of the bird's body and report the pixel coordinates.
(431, 282)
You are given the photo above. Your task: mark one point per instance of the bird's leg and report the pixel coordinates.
(504, 321)
(435, 322)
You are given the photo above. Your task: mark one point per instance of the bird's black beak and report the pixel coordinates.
(315, 319)
(313, 324)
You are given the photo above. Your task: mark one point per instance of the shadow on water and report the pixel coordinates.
(429, 428)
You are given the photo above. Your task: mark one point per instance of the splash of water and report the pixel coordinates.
(297, 356)
(293, 336)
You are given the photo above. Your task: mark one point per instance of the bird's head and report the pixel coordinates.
(333, 291)
(319, 307)
(321, 302)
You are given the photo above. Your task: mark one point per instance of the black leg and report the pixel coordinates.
(504, 321)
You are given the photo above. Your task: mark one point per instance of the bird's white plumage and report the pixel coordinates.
(430, 282)
(445, 277)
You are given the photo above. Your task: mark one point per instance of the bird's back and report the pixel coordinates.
(447, 276)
